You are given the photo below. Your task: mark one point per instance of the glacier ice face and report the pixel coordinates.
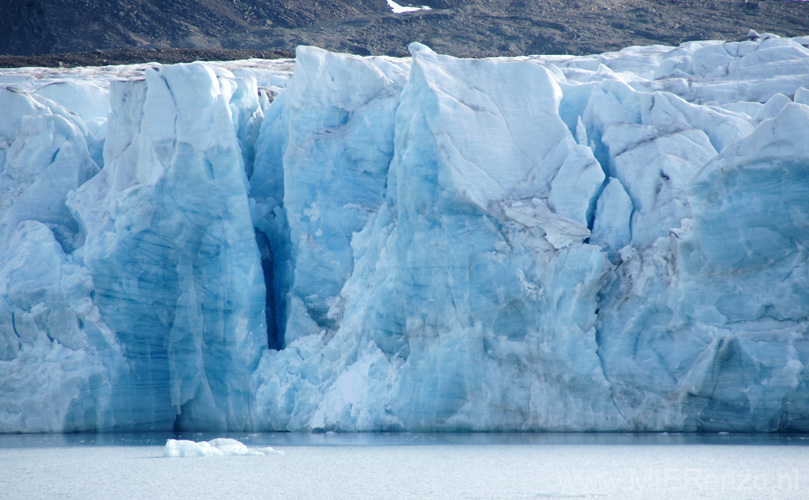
(341, 109)
(168, 233)
(608, 242)
(156, 275)
(734, 279)
(59, 358)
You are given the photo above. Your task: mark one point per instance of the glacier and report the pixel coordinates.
(613, 242)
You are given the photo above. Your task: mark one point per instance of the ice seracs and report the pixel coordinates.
(168, 231)
(614, 242)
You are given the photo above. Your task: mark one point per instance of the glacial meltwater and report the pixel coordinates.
(417, 466)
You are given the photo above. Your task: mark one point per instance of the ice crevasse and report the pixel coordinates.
(615, 242)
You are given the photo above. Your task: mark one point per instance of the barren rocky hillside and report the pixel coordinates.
(106, 31)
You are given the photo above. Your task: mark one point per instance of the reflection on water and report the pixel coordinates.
(402, 439)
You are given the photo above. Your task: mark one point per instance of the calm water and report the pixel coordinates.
(417, 466)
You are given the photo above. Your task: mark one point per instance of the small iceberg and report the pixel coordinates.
(219, 447)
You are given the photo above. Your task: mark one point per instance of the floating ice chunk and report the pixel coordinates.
(219, 447)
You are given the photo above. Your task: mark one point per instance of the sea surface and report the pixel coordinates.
(411, 466)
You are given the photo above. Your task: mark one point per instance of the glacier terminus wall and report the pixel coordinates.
(616, 242)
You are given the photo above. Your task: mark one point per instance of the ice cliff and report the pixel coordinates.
(600, 243)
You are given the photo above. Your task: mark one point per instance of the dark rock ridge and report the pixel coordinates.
(87, 32)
